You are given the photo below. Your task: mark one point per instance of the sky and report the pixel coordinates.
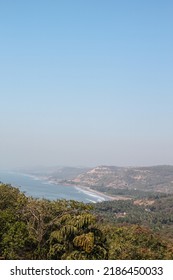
(86, 83)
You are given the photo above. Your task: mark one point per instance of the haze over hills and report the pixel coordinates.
(154, 178)
(112, 179)
(56, 174)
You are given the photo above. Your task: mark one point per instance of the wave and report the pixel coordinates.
(91, 193)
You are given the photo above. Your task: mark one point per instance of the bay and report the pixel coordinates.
(38, 188)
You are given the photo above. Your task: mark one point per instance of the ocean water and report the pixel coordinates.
(41, 189)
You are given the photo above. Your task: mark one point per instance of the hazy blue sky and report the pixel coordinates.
(86, 82)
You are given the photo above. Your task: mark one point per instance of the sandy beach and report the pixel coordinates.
(85, 189)
(106, 196)
(91, 191)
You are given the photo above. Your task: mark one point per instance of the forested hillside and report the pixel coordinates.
(156, 213)
(42, 229)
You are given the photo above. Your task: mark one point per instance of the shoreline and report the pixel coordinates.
(99, 194)
(86, 189)
(107, 197)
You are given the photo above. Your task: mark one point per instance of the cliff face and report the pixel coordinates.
(155, 178)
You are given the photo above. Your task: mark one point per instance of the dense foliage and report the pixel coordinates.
(156, 214)
(41, 229)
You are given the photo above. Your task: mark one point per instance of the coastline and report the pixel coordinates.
(106, 197)
(85, 189)
(99, 194)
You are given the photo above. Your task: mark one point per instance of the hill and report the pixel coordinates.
(127, 180)
(158, 178)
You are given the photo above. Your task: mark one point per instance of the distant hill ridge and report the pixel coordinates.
(154, 178)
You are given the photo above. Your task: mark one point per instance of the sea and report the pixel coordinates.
(37, 188)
